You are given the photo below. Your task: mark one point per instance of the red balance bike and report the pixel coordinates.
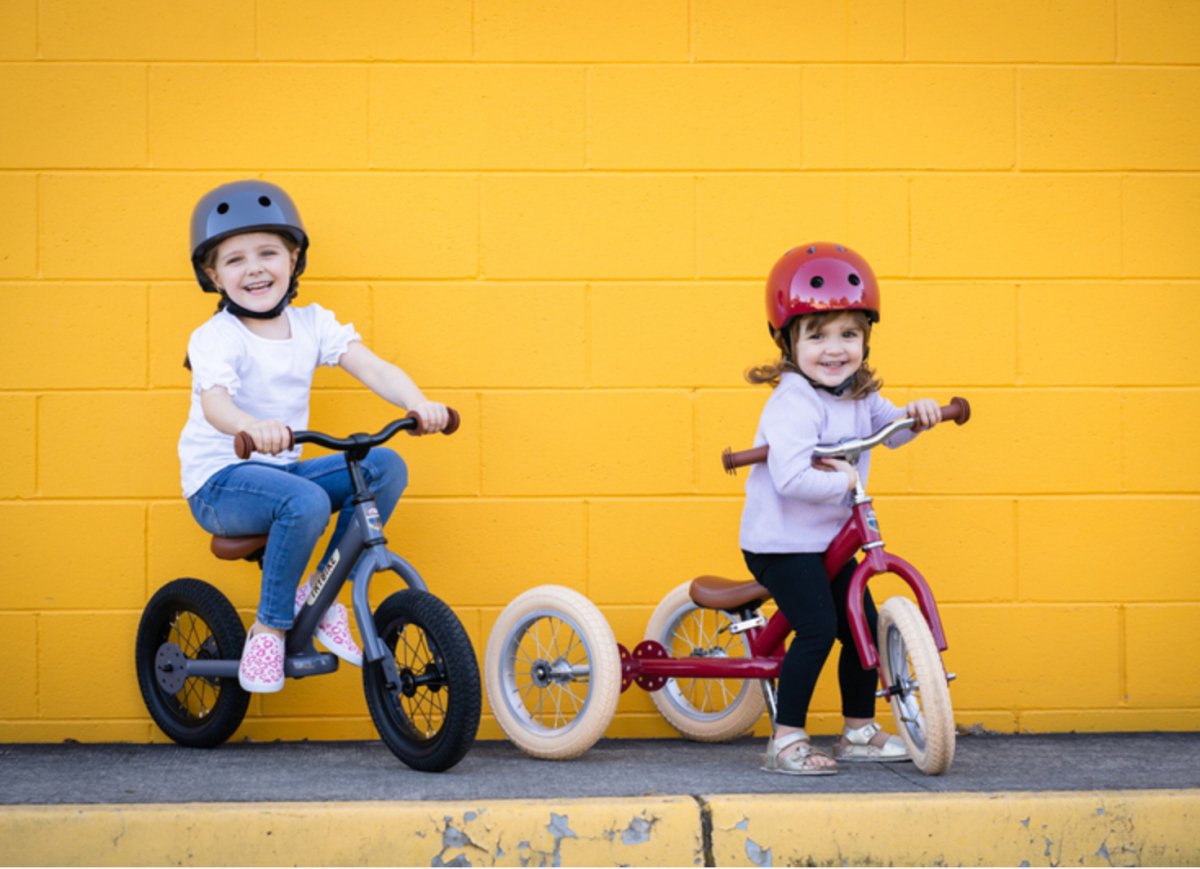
(554, 670)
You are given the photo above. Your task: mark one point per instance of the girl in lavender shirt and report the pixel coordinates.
(822, 300)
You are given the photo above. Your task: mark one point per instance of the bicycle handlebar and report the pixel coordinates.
(958, 411)
(243, 443)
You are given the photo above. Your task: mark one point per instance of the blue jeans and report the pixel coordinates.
(292, 503)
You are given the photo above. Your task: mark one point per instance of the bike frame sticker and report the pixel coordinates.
(323, 577)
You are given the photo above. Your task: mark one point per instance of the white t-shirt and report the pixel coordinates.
(270, 379)
(790, 505)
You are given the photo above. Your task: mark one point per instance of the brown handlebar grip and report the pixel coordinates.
(959, 410)
(451, 426)
(731, 461)
(243, 444)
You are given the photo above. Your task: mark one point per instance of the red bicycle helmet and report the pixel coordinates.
(820, 277)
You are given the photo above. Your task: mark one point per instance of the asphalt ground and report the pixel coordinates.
(50, 774)
(1082, 799)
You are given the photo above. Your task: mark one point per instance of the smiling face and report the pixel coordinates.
(829, 350)
(253, 269)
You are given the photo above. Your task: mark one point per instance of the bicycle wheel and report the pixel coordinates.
(189, 619)
(553, 672)
(706, 710)
(911, 665)
(430, 722)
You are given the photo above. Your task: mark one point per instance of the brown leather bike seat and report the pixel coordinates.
(715, 592)
(233, 548)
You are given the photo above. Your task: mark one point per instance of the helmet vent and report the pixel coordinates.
(855, 280)
(812, 249)
(817, 282)
(264, 201)
(223, 208)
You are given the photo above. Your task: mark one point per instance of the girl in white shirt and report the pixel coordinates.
(822, 300)
(252, 367)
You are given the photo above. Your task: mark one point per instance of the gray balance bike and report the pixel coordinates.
(419, 670)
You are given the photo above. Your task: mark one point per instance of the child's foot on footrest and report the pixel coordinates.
(261, 668)
(333, 632)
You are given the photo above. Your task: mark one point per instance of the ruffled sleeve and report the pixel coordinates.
(333, 338)
(214, 356)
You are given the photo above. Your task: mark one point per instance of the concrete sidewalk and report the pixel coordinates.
(1098, 799)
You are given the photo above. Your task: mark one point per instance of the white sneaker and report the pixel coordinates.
(333, 631)
(261, 668)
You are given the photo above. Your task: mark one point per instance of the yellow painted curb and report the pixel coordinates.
(1068, 828)
(1050, 828)
(651, 831)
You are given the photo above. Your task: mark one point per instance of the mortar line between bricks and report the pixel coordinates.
(677, 64)
(613, 171)
(319, 283)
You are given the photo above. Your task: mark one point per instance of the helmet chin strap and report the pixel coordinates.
(838, 390)
(238, 311)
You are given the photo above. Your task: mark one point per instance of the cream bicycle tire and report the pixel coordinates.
(553, 672)
(922, 709)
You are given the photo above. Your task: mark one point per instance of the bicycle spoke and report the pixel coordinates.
(537, 710)
(541, 650)
(726, 696)
(525, 694)
(557, 705)
(575, 701)
(682, 634)
(574, 641)
(559, 625)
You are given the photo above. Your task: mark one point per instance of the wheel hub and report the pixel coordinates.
(169, 668)
(433, 678)
(408, 683)
(546, 673)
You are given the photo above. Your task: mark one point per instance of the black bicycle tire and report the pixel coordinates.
(460, 725)
(217, 613)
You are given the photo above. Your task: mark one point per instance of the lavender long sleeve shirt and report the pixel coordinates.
(790, 505)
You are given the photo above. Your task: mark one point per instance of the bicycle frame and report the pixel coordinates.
(861, 531)
(360, 554)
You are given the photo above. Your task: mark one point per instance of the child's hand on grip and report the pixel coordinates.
(271, 436)
(434, 416)
(839, 465)
(925, 411)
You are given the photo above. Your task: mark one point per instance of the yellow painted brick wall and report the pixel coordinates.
(557, 216)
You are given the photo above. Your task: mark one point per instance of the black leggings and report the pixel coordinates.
(816, 609)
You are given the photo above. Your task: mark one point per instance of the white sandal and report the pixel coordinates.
(856, 746)
(798, 762)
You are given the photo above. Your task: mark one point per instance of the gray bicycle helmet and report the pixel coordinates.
(244, 206)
